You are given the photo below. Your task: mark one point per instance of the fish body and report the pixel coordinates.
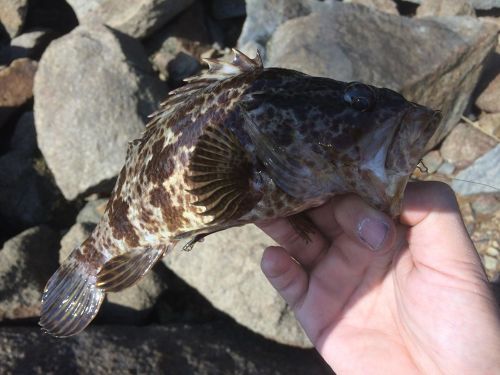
(237, 145)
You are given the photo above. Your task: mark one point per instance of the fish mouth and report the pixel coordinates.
(409, 142)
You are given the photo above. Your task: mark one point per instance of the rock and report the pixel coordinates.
(446, 169)
(465, 144)
(93, 92)
(489, 100)
(489, 123)
(476, 4)
(26, 263)
(92, 211)
(12, 15)
(485, 204)
(137, 19)
(432, 160)
(225, 269)
(264, 16)
(217, 348)
(387, 6)
(443, 8)
(490, 263)
(176, 49)
(16, 82)
(340, 44)
(223, 9)
(132, 305)
(483, 172)
(28, 195)
(31, 44)
(486, 237)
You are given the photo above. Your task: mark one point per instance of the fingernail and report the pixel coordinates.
(372, 232)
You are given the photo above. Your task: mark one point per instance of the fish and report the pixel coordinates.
(238, 144)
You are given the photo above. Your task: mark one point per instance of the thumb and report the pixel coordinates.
(286, 275)
(437, 236)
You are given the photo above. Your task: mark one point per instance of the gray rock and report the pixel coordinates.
(132, 305)
(340, 44)
(217, 348)
(432, 160)
(93, 92)
(223, 9)
(484, 175)
(477, 4)
(465, 144)
(225, 269)
(12, 15)
(138, 18)
(28, 195)
(26, 263)
(486, 204)
(264, 17)
(430, 8)
(489, 123)
(387, 6)
(489, 100)
(92, 211)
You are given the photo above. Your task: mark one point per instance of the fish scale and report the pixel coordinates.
(239, 144)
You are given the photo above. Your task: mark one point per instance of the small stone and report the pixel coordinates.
(489, 100)
(465, 144)
(26, 263)
(485, 204)
(386, 6)
(490, 124)
(444, 8)
(16, 82)
(493, 252)
(490, 263)
(12, 15)
(446, 169)
(432, 161)
(485, 171)
(138, 19)
(93, 93)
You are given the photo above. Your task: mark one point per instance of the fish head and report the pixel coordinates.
(321, 137)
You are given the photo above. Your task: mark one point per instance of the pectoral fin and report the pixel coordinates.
(124, 270)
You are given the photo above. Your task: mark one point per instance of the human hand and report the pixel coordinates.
(419, 303)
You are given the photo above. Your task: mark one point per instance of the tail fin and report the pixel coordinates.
(71, 298)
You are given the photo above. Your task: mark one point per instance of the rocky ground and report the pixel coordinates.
(77, 81)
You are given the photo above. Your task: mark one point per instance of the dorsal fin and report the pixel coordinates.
(218, 70)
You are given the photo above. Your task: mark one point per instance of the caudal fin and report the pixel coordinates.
(71, 299)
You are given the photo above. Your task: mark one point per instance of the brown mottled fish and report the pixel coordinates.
(237, 145)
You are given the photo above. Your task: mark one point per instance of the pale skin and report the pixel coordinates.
(418, 304)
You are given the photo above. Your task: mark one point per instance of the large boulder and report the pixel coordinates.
(355, 43)
(93, 92)
(135, 18)
(225, 269)
(26, 263)
(218, 348)
(477, 4)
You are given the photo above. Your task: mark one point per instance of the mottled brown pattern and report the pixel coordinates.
(120, 224)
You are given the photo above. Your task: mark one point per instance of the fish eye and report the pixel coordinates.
(359, 96)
